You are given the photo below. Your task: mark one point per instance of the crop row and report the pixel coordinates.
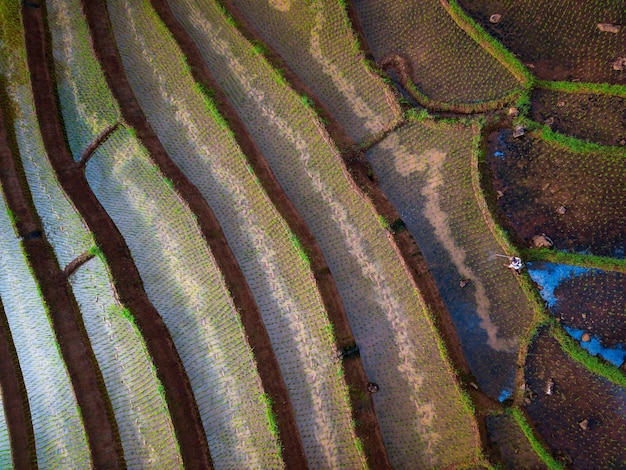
(386, 313)
(60, 437)
(316, 40)
(426, 170)
(178, 271)
(268, 254)
(141, 415)
(5, 446)
(442, 61)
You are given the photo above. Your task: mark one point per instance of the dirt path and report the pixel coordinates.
(86, 378)
(362, 404)
(129, 289)
(269, 371)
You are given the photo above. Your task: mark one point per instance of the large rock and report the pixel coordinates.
(609, 28)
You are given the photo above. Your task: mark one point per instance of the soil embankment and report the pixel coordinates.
(85, 376)
(106, 52)
(362, 404)
(128, 285)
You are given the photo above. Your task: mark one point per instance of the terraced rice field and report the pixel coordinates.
(237, 245)
(317, 41)
(422, 40)
(179, 274)
(538, 176)
(268, 253)
(60, 437)
(597, 118)
(356, 247)
(559, 40)
(577, 395)
(142, 416)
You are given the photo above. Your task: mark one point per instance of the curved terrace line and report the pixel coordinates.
(106, 53)
(365, 183)
(86, 378)
(363, 408)
(128, 286)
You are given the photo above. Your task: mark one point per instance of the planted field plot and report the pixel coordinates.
(597, 118)
(269, 255)
(511, 444)
(60, 438)
(589, 303)
(317, 41)
(422, 41)
(183, 282)
(142, 418)
(559, 40)
(426, 171)
(574, 196)
(5, 446)
(421, 416)
(582, 420)
(178, 271)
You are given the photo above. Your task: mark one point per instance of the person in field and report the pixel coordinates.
(515, 264)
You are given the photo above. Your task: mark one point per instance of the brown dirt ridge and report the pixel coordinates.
(362, 404)
(91, 396)
(129, 289)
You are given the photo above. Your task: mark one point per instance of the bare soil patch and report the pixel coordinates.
(597, 118)
(576, 199)
(583, 420)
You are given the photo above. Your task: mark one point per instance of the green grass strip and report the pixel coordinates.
(604, 263)
(592, 363)
(580, 87)
(539, 449)
(490, 44)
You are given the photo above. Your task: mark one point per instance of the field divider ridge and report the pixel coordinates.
(105, 50)
(86, 378)
(127, 282)
(362, 408)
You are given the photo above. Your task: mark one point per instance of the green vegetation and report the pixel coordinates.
(583, 87)
(541, 451)
(576, 259)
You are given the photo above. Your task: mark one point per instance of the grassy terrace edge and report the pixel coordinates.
(126, 280)
(362, 408)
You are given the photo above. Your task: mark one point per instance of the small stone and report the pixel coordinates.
(542, 241)
(549, 122)
(373, 387)
(584, 315)
(463, 283)
(560, 104)
(519, 131)
(609, 28)
(499, 194)
(474, 386)
(619, 64)
(585, 338)
(550, 386)
(622, 142)
(584, 424)
(561, 210)
(495, 18)
(513, 112)
(527, 400)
